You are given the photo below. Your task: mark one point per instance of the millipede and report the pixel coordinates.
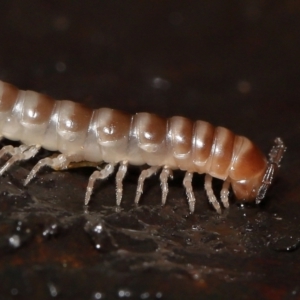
(84, 137)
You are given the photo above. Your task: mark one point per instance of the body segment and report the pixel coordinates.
(110, 136)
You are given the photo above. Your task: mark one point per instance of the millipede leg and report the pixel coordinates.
(12, 150)
(119, 180)
(225, 193)
(145, 174)
(187, 182)
(164, 176)
(60, 162)
(18, 153)
(102, 174)
(210, 193)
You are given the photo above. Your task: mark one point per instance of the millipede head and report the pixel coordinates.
(275, 157)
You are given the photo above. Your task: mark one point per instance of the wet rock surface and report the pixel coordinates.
(235, 65)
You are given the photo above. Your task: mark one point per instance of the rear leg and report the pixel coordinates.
(210, 193)
(57, 163)
(225, 193)
(9, 149)
(145, 174)
(164, 176)
(22, 152)
(102, 174)
(119, 180)
(187, 182)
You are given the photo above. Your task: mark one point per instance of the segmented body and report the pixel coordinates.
(81, 134)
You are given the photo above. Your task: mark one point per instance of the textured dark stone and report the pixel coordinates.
(234, 64)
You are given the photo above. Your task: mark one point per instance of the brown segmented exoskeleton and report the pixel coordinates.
(90, 137)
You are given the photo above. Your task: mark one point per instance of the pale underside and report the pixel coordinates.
(62, 162)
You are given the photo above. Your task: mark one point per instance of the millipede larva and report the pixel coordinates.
(90, 137)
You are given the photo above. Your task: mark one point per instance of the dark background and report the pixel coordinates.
(232, 63)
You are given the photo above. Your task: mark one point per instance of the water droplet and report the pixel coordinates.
(15, 241)
(188, 241)
(52, 289)
(145, 295)
(98, 295)
(160, 83)
(100, 236)
(98, 228)
(51, 230)
(124, 293)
